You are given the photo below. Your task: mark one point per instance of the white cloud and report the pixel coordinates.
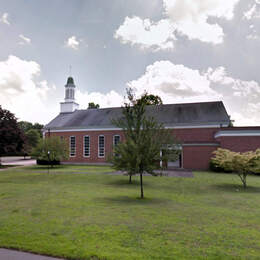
(4, 19)
(179, 84)
(253, 36)
(21, 93)
(173, 83)
(199, 11)
(24, 40)
(110, 99)
(146, 34)
(241, 97)
(187, 17)
(191, 17)
(73, 43)
(28, 98)
(253, 12)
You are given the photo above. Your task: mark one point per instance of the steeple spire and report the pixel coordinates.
(69, 105)
(70, 90)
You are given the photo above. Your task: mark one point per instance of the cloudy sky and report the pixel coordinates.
(182, 50)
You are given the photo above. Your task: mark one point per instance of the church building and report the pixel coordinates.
(201, 128)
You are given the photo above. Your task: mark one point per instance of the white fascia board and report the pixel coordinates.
(240, 133)
(118, 129)
(201, 144)
(195, 126)
(81, 130)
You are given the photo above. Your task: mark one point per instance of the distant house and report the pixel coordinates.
(201, 128)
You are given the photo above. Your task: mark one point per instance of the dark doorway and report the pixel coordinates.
(175, 164)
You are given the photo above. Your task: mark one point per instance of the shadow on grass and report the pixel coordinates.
(125, 183)
(125, 200)
(44, 167)
(236, 188)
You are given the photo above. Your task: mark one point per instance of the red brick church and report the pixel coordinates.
(201, 128)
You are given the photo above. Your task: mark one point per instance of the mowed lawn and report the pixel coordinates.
(98, 216)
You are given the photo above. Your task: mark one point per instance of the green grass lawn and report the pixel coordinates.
(7, 166)
(98, 216)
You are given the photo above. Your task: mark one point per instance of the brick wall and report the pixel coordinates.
(94, 158)
(194, 157)
(196, 134)
(240, 143)
(183, 135)
(197, 157)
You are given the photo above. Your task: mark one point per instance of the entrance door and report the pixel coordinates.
(175, 164)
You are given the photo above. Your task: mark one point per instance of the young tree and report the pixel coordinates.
(92, 105)
(239, 163)
(149, 99)
(57, 148)
(11, 136)
(144, 138)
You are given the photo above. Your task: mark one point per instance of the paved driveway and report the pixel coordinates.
(17, 160)
(6, 254)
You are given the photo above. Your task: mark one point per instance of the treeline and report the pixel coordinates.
(17, 138)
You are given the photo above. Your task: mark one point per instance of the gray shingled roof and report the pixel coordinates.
(206, 113)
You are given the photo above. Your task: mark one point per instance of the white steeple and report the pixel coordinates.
(69, 105)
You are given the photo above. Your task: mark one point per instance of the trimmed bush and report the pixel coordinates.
(45, 162)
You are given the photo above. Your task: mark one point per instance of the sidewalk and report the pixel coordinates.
(7, 254)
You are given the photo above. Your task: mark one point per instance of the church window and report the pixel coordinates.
(116, 140)
(72, 146)
(101, 146)
(86, 146)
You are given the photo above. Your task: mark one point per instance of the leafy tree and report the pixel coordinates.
(240, 163)
(144, 138)
(149, 99)
(223, 159)
(26, 126)
(11, 136)
(57, 148)
(92, 105)
(32, 138)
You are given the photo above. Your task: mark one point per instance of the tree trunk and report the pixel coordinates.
(244, 180)
(130, 178)
(141, 183)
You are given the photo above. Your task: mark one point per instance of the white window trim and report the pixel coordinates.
(104, 147)
(84, 146)
(114, 139)
(75, 146)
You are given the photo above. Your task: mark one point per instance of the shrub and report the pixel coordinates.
(240, 163)
(57, 148)
(45, 162)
